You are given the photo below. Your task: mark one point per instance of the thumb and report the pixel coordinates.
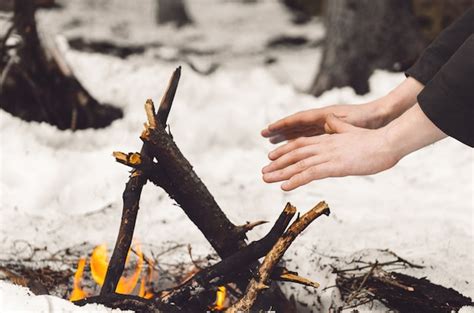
(335, 125)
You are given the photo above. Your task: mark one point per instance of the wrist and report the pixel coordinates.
(411, 131)
(382, 111)
(399, 100)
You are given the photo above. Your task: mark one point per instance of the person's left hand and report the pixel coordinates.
(350, 150)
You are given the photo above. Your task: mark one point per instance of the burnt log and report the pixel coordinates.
(399, 291)
(38, 85)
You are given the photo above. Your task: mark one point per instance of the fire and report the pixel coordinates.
(77, 292)
(220, 298)
(126, 284)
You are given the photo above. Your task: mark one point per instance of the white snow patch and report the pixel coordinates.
(16, 299)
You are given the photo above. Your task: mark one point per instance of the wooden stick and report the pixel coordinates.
(283, 274)
(257, 285)
(167, 100)
(131, 199)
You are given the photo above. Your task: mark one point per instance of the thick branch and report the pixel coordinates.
(257, 285)
(184, 186)
(131, 199)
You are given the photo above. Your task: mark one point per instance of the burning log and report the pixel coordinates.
(161, 162)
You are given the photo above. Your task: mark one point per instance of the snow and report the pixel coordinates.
(19, 299)
(61, 188)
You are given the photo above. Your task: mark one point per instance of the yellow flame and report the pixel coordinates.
(77, 292)
(127, 284)
(99, 266)
(220, 298)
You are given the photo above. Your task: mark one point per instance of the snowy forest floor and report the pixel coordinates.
(61, 188)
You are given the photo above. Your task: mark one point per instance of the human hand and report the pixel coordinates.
(350, 150)
(311, 122)
(371, 115)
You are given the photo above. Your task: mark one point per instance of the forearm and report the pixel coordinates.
(410, 132)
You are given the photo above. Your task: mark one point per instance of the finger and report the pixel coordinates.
(293, 169)
(295, 120)
(291, 158)
(319, 171)
(336, 125)
(297, 133)
(292, 145)
(294, 132)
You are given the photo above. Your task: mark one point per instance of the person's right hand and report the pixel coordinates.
(311, 122)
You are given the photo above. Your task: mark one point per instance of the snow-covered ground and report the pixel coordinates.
(59, 188)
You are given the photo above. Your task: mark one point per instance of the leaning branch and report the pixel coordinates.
(131, 198)
(257, 285)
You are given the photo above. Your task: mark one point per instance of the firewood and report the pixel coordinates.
(131, 197)
(161, 162)
(257, 285)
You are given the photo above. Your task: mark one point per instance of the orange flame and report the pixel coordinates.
(126, 284)
(77, 292)
(220, 298)
(143, 292)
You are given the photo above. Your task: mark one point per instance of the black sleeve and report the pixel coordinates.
(442, 48)
(448, 98)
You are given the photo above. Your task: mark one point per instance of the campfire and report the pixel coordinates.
(232, 284)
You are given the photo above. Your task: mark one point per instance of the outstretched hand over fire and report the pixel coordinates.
(346, 149)
(349, 150)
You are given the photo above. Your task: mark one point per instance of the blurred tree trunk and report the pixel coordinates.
(37, 84)
(304, 10)
(172, 11)
(363, 35)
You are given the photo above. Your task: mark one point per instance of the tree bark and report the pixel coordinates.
(363, 35)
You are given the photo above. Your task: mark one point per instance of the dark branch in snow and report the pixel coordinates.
(131, 199)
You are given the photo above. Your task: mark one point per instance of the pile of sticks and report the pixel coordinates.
(161, 162)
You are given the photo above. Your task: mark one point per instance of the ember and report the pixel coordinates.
(220, 298)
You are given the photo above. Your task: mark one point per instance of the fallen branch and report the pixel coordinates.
(396, 290)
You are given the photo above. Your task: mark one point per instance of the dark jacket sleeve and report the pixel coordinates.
(442, 48)
(448, 98)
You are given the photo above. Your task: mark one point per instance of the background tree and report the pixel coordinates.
(364, 35)
(172, 11)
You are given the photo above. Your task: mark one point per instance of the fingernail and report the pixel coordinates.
(265, 178)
